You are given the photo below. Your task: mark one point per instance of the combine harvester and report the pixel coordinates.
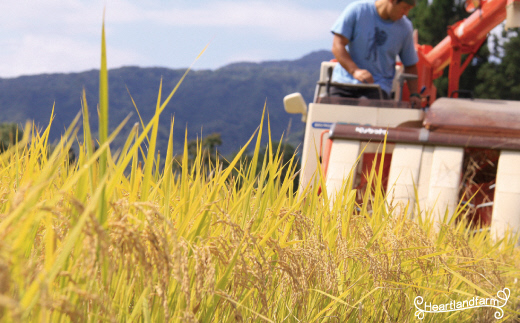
(430, 150)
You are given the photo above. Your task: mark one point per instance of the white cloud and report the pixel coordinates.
(44, 15)
(48, 54)
(64, 35)
(283, 20)
(280, 20)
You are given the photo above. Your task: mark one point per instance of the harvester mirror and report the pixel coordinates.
(294, 103)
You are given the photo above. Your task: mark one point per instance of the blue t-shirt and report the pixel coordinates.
(374, 43)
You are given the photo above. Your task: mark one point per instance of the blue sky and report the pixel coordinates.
(47, 36)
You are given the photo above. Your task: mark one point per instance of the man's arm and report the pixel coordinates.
(339, 43)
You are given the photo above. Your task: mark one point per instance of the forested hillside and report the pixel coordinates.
(228, 100)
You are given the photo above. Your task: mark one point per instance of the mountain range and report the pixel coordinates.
(228, 100)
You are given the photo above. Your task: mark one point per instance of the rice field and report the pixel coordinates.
(89, 241)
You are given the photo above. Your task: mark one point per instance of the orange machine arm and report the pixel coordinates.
(464, 37)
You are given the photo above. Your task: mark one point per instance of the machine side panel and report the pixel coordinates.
(343, 157)
(445, 177)
(404, 174)
(506, 208)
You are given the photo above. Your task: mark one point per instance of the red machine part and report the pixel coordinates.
(464, 37)
(325, 152)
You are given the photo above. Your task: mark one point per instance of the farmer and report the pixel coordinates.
(367, 38)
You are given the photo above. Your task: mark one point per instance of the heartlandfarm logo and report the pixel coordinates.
(498, 302)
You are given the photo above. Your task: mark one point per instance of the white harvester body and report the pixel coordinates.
(427, 147)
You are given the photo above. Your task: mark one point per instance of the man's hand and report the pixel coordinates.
(342, 55)
(363, 76)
